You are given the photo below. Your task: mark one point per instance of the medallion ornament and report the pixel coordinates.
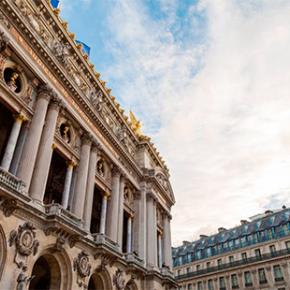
(25, 243)
(82, 266)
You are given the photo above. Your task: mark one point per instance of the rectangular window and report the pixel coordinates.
(231, 259)
(219, 262)
(234, 280)
(244, 257)
(273, 250)
(210, 285)
(278, 275)
(189, 286)
(199, 286)
(208, 265)
(262, 276)
(287, 245)
(187, 269)
(258, 253)
(222, 283)
(197, 267)
(248, 279)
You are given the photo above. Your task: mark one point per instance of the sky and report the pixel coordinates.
(210, 81)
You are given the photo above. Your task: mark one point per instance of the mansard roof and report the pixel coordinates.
(268, 221)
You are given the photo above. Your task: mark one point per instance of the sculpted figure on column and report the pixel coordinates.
(31, 145)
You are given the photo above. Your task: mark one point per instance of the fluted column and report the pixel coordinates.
(121, 212)
(104, 214)
(129, 235)
(81, 182)
(139, 225)
(67, 184)
(43, 160)
(90, 188)
(151, 232)
(12, 141)
(167, 242)
(113, 206)
(28, 158)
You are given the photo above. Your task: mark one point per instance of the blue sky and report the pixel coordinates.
(210, 81)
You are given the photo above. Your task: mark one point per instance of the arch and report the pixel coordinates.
(100, 281)
(3, 250)
(52, 271)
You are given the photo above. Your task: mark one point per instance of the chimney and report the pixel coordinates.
(221, 229)
(284, 207)
(185, 243)
(244, 222)
(203, 236)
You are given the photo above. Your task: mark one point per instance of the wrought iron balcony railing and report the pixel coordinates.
(233, 264)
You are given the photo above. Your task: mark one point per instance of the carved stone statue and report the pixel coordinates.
(118, 280)
(82, 266)
(23, 281)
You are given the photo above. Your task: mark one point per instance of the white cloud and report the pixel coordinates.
(224, 130)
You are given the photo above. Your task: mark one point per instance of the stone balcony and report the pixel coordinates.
(10, 182)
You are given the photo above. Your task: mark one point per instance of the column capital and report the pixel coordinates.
(19, 117)
(116, 171)
(46, 92)
(96, 146)
(87, 138)
(72, 163)
(56, 102)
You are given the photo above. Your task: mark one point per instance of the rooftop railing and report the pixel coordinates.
(237, 263)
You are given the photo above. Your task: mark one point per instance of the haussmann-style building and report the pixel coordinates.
(85, 198)
(254, 255)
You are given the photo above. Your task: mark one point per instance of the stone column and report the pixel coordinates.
(19, 148)
(151, 232)
(167, 242)
(104, 214)
(139, 225)
(113, 206)
(12, 141)
(43, 160)
(215, 283)
(26, 165)
(227, 281)
(121, 212)
(90, 189)
(67, 184)
(129, 235)
(160, 249)
(82, 177)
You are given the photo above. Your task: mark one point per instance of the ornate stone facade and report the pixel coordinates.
(85, 198)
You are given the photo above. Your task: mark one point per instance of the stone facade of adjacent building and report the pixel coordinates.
(85, 198)
(254, 255)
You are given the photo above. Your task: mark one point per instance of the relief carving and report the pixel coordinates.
(25, 243)
(3, 41)
(118, 280)
(82, 266)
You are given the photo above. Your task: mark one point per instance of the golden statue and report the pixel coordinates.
(12, 82)
(136, 125)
